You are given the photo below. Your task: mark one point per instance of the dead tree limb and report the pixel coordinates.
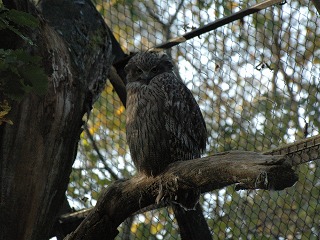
(249, 170)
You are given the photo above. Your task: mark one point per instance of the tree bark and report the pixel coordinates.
(38, 150)
(248, 170)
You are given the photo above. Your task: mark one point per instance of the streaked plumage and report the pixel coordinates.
(164, 122)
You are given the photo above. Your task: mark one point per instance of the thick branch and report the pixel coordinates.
(296, 153)
(118, 85)
(249, 170)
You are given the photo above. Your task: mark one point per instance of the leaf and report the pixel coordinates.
(25, 38)
(4, 110)
(6, 121)
(22, 18)
(36, 77)
(22, 74)
(13, 87)
(316, 60)
(13, 20)
(3, 24)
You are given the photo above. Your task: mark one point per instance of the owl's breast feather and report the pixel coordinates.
(144, 102)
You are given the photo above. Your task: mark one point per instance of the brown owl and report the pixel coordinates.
(164, 125)
(164, 122)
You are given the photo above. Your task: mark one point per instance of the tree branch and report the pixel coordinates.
(317, 5)
(249, 170)
(118, 85)
(174, 17)
(96, 148)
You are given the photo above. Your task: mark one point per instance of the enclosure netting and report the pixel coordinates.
(257, 83)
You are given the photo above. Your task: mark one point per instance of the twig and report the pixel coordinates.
(95, 147)
(153, 15)
(176, 13)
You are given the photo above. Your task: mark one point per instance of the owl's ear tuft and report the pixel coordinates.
(169, 64)
(166, 60)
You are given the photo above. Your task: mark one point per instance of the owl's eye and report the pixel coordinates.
(138, 71)
(154, 70)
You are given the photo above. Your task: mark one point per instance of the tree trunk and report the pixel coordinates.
(38, 150)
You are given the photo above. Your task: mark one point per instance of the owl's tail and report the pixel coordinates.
(192, 224)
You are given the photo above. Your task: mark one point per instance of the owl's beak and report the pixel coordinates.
(145, 76)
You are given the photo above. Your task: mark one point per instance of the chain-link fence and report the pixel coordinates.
(257, 83)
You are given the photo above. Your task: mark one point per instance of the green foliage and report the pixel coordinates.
(21, 72)
(15, 20)
(4, 110)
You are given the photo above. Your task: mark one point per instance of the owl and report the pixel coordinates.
(164, 123)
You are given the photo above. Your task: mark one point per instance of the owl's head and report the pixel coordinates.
(146, 65)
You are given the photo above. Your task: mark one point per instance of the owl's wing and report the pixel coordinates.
(184, 121)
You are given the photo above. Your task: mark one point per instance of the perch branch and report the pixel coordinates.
(249, 170)
(296, 153)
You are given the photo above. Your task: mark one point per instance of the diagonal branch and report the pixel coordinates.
(95, 147)
(120, 63)
(317, 5)
(218, 23)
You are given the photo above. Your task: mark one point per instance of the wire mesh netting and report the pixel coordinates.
(256, 81)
